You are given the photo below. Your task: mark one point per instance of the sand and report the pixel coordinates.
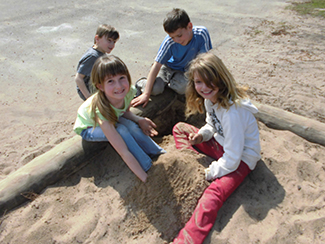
(281, 58)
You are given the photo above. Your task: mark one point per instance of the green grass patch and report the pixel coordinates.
(314, 8)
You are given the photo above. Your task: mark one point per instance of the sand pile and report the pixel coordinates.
(169, 197)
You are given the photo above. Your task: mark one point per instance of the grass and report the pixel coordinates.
(314, 8)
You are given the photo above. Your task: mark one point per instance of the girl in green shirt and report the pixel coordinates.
(105, 116)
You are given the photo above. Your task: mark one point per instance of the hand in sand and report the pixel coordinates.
(148, 126)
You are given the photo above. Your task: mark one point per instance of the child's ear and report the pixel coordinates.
(189, 25)
(100, 87)
(96, 38)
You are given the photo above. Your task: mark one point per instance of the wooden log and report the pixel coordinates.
(46, 169)
(276, 118)
(157, 104)
(161, 110)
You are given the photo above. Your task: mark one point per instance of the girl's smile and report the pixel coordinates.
(119, 91)
(207, 93)
(203, 90)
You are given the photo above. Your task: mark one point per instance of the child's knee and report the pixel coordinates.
(178, 85)
(133, 127)
(158, 86)
(122, 129)
(129, 124)
(180, 126)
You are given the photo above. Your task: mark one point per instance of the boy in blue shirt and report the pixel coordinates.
(104, 42)
(182, 44)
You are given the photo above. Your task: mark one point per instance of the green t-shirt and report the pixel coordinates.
(85, 119)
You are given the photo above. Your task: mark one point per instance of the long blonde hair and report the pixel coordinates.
(106, 66)
(213, 73)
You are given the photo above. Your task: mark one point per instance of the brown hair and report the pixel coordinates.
(108, 31)
(106, 65)
(175, 19)
(213, 73)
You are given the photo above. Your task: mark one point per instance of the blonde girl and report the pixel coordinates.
(230, 136)
(105, 116)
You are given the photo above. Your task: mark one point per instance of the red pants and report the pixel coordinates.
(205, 213)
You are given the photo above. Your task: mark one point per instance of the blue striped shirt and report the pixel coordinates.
(176, 56)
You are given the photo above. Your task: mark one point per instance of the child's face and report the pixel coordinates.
(203, 90)
(104, 44)
(115, 89)
(182, 35)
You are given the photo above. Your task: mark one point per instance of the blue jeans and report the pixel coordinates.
(140, 145)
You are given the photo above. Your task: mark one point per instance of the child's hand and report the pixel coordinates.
(144, 178)
(142, 99)
(195, 138)
(147, 126)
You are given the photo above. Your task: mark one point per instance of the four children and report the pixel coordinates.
(230, 135)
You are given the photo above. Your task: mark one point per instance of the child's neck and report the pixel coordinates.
(119, 104)
(213, 101)
(190, 37)
(98, 48)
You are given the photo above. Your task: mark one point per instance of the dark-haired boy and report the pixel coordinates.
(104, 42)
(182, 44)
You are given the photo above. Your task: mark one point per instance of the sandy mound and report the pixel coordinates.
(169, 197)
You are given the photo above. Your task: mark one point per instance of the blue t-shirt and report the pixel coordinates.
(176, 56)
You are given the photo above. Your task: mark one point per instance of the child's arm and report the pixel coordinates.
(146, 124)
(207, 131)
(79, 79)
(119, 145)
(233, 146)
(206, 45)
(144, 97)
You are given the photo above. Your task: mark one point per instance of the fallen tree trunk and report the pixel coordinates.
(46, 169)
(161, 110)
(276, 118)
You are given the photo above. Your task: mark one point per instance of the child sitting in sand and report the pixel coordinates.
(104, 42)
(183, 42)
(105, 116)
(230, 136)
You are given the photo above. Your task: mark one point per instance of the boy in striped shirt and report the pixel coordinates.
(182, 44)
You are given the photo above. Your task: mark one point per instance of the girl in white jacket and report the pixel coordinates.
(230, 136)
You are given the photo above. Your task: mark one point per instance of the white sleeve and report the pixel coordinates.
(234, 133)
(207, 131)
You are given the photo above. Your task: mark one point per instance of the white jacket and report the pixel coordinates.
(237, 131)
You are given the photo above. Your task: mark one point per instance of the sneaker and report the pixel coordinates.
(139, 84)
